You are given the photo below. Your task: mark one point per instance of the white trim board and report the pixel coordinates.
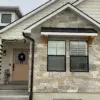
(68, 34)
(28, 30)
(78, 2)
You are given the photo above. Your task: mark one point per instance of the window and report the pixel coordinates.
(56, 56)
(6, 18)
(78, 56)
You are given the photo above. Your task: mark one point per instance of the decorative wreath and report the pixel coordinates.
(21, 57)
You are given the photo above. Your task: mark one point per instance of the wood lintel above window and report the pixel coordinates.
(91, 39)
(46, 39)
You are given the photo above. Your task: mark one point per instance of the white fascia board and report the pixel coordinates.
(26, 16)
(13, 38)
(27, 31)
(67, 34)
(58, 11)
(77, 2)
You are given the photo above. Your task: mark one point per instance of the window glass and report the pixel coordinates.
(78, 48)
(51, 51)
(56, 47)
(6, 18)
(56, 63)
(60, 51)
(78, 56)
(79, 63)
(56, 55)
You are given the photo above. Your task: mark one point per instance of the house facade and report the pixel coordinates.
(66, 50)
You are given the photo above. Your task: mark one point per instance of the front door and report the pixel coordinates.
(20, 66)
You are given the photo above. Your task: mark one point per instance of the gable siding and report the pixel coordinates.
(91, 7)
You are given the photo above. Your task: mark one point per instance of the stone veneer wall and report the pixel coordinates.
(59, 82)
(66, 81)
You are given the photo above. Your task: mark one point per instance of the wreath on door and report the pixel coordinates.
(21, 57)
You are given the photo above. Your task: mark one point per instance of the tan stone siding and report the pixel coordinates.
(64, 82)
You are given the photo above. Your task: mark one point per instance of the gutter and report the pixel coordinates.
(27, 35)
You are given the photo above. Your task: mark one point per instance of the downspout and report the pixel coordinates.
(26, 35)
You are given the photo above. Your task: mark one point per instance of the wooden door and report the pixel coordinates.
(20, 66)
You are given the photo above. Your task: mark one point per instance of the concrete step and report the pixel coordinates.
(13, 87)
(13, 92)
(13, 97)
(19, 83)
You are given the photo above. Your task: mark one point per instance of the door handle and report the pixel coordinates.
(13, 67)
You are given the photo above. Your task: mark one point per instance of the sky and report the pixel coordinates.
(25, 5)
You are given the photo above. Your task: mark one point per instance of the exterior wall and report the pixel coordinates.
(53, 85)
(48, 85)
(91, 7)
(7, 61)
(14, 17)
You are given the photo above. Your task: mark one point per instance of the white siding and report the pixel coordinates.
(91, 7)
